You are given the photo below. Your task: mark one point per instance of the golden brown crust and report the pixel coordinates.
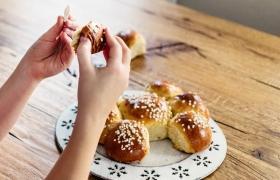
(95, 33)
(187, 102)
(164, 88)
(112, 120)
(129, 36)
(135, 42)
(145, 108)
(127, 142)
(150, 110)
(195, 129)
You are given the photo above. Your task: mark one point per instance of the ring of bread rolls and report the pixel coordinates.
(190, 132)
(164, 88)
(95, 33)
(112, 120)
(187, 102)
(150, 110)
(127, 142)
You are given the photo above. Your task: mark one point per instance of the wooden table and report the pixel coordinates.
(235, 70)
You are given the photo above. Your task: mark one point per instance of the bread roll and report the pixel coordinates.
(150, 110)
(190, 132)
(127, 142)
(187, 102)
(112, 120)
(95, 33)
(135, 42)
(163, 88)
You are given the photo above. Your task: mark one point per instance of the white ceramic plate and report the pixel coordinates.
(163, 162)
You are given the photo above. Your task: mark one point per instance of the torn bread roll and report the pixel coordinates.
(134, 41)
(95, 33)
(112, 120)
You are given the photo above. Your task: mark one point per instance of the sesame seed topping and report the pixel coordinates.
(128, 134)
(156, 107)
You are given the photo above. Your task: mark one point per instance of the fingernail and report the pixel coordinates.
(83, 38)
(70, 22)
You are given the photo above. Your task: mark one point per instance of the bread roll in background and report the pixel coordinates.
(150, 110)
(190, 132)
(112, 120)
(187, 102)
(164, 88)
(96, 35)
(127, 142)
(135, 42)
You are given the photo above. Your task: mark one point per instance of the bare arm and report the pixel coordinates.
(98, 92)
(48, 56)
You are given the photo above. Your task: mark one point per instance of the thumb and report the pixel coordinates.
(84, 54)
(55, 30)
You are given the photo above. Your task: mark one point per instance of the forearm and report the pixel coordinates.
(78, 155)
(14, 95)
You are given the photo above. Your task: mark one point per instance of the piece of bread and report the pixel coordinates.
(187, 102)
(127, 142)
(112, 120)
(135, 42)
(190, 132)
(163, 88)
(96, 35)
(150, 110)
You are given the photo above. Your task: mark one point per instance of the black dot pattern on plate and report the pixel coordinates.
(66, 140)
(118, 171)
(97, 161)
(213, 130)
(75, 110)
(214, 146)
(181, 172)
(152, 175)
(68, 124)
(203, 161)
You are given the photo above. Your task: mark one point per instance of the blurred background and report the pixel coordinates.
(263, 15)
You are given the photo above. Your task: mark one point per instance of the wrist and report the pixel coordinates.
(24, 71)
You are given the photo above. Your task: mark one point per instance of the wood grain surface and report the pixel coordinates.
(234, 69)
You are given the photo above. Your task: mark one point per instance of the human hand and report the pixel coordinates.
(99, 88)
(52, 52)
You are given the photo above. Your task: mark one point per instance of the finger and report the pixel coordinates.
(67, 40)
(70, 53)
(70, 17)
(113, 49)
(55, 30)
(84, 54)
(72, 24)
(69, 32)
(126, 57)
